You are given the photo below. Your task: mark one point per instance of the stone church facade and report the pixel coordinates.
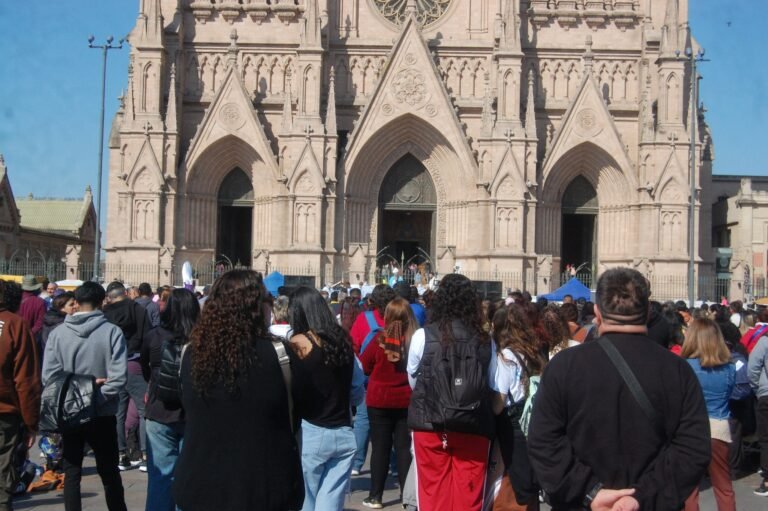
(338, 135)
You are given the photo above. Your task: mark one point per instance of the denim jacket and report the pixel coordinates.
(717, 384)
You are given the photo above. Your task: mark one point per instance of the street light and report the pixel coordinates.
(104, 49)
(694, 59)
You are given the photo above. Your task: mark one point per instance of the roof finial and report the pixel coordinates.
(411, 9)
(232, 50)
(588, 55)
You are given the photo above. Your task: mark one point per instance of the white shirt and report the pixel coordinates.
(416, 351)
(283, 331)
(736, 319)
(509, 375)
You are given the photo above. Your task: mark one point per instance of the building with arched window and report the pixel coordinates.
(507, 139)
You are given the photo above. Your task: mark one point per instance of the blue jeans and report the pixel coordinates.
(164, 443)
(362, 428)
(326, 460)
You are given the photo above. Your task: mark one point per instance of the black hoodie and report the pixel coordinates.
(51, 320)
(132, 320)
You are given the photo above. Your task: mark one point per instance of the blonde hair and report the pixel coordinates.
(703, 340)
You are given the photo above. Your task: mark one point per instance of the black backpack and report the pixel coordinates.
(168, 386)
(459, 392)
(67, 402)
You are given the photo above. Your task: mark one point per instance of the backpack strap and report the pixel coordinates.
(285, 368)
(374, 329)
(631, 381)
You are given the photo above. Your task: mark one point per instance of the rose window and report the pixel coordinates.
(427, 11)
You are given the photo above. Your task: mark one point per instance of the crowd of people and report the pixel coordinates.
(241, 400)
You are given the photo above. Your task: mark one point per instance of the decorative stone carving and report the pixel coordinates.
(231, 117)
(587, 124)
(427, 11)
(387, 109)
(305, 185)
(409, 87)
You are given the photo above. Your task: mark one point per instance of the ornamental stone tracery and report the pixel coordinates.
(427, 11)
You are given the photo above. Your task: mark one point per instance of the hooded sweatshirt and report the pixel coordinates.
(89, 344)
(132, 320)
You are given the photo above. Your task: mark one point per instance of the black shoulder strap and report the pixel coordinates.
(631, 381)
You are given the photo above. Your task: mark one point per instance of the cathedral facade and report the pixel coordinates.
(518, 136)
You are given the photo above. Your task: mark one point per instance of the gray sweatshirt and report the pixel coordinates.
(758, 367)
(88, 344)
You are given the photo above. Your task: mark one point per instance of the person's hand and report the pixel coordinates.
(30, 437)
(605, 499)
(626, 504)
(100, 381)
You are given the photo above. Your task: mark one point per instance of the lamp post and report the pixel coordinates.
(104, 50)
(694, 59)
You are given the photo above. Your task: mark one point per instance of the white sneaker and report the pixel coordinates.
(355, 472)
(143, 467)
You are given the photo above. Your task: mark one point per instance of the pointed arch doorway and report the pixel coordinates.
(579, 226)
(235, 219)
(407, 214)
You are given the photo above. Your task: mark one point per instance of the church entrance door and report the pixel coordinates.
(235, 219)
(407, 206)
(579, 227)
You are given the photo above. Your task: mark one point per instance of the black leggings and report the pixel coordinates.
(388, 424)
(514, 452)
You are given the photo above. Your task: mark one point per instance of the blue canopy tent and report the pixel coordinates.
(573, 287)
(274, 281)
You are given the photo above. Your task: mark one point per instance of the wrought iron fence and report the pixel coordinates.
(51, 269)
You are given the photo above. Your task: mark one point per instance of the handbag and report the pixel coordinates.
(68, 401)
(285, 368)
(632, 383)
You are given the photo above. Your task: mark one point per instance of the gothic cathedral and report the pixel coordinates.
(518, 136)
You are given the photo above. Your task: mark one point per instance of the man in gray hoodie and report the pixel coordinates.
(88, 344)
(758, 378)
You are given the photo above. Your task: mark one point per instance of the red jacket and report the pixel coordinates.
(388, 382)
(33, 311)
(20, 385)
(360, 330)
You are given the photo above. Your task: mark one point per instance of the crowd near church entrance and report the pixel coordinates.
(579, 226)
(407, 206)
(235, 219)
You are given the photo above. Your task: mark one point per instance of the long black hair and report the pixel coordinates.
(309, 312)
(180, 314)
(456, 299)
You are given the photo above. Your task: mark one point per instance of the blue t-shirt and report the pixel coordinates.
(717, 384)
(420, 313)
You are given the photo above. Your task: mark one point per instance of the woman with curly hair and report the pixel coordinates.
(328, 444)
(388, 397)
(556, 331)
(451, 445)
(519, 358)
(239, 450)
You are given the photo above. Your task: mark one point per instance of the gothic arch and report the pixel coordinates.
(219, 159)
(598, 167)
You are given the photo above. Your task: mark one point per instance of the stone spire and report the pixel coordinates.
(170, 113)
(647, 131)
(232, 50)
(510, 38)
(312, 22)
(487, 115)
(670, 36)
(287, 121)
(3, 168)
(130, 110)
(330, 115)
(149, 25)
(530, 109)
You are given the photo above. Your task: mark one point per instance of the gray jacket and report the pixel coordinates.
(88, 344)
(758, 367)
(153, 310)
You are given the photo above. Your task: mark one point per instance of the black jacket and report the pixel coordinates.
(132, 320)
(151, 354)
(51, 320)
(419, 409)
(587, 427)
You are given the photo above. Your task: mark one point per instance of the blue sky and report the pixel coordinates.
(50, 86)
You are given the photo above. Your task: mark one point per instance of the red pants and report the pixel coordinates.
(720, 476)
(452, 478)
